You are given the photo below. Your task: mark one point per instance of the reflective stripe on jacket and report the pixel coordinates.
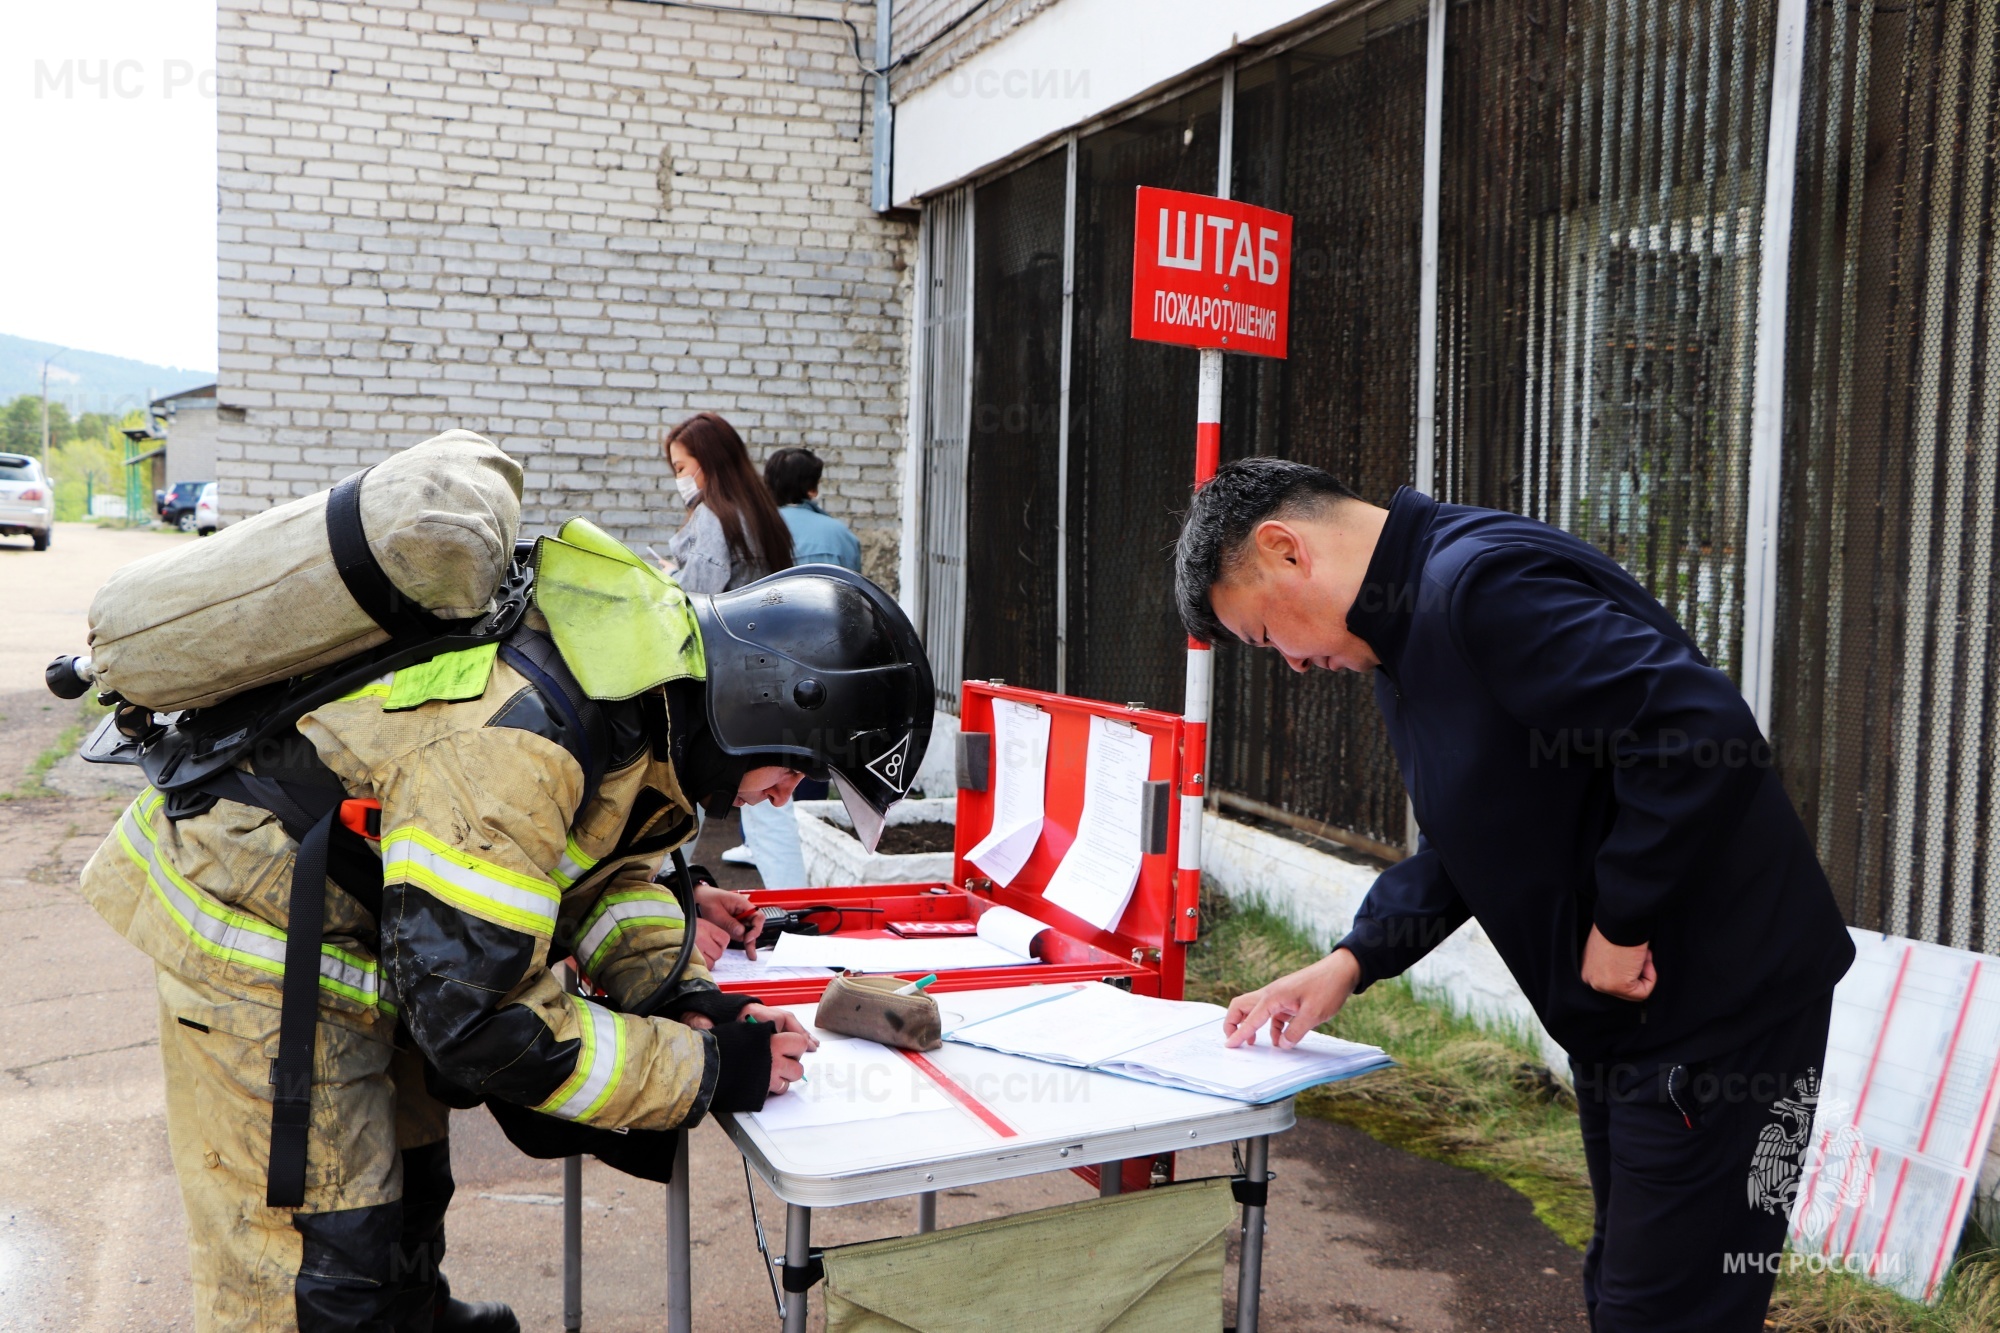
(486, 861)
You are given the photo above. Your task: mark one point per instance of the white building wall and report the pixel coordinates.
(564, 225)
(191, 441)
(1058, 65)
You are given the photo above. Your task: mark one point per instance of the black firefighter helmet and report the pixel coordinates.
(817, 664)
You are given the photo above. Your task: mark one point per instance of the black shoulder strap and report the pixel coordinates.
(366, 582)
(298, 1019)
(305, 796)
(536, 656)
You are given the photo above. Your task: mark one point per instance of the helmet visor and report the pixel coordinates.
(868, 821)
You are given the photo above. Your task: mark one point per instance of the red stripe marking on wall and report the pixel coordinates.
(1895, 1197)
(1937, 1264)
(961, 1096)
(1985, 1108)
(1874, 1161)
(1888, 1012)
(1950, 1054)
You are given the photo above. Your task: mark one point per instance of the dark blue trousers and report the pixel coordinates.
(1693, 1168)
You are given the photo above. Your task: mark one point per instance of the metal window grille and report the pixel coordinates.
(946, 241)
(1132, 415)
(1602, 205)
(1331, 132)
(1012, 485)
(1886, 654)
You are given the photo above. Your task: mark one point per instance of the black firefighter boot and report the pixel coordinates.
(456, 1316)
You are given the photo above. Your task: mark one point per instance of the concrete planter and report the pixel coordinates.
(834, 857)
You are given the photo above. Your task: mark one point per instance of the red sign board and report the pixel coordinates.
(1210, 272)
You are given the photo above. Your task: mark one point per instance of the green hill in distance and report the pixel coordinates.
(89, 381)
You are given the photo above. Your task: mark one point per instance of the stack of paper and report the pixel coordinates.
(1171, 1042)
(1006, 939)
(850, 1079)
(1101, 868)
(734, 965)
(1021, 759)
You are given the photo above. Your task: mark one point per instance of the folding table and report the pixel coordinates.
(1048, 1117)
(1013, 1117)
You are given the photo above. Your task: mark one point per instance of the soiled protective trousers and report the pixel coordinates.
(363, 1252)
(1694, 1167)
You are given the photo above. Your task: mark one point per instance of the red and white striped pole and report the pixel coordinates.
(1200, 672)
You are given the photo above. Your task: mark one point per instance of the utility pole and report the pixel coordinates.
(47, 475)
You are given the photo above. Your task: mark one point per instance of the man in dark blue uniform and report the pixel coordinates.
(1601, 799)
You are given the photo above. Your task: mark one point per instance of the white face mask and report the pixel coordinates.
(686, 486)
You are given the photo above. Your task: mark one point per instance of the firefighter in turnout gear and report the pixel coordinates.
(521, 797)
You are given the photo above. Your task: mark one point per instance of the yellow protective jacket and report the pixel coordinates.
(492, 866)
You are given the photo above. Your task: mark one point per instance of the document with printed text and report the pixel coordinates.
(1020, 763)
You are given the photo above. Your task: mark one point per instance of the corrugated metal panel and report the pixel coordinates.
(1012, 485)
(1602, 208)
(947, 241)
(1331, 132)
(1132, 416)
(1886, 655)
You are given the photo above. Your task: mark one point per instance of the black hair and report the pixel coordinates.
(792, 475)
(1225, 512)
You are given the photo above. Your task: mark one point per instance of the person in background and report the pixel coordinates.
(818, 538)
(733, 536)
(771, 836)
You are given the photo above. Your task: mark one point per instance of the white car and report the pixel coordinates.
(206, 520)
(27, 503)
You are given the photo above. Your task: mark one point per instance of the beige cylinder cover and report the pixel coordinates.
(262, 601)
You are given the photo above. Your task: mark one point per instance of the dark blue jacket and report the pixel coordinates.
(1573, 758)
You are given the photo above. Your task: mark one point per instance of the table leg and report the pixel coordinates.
(927, 1211)
(798, 1253)
(1110, 1179)
(572, 1205)
(680, 1263)
(1250, 1275)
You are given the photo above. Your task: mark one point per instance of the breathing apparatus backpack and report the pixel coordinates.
(209, 656)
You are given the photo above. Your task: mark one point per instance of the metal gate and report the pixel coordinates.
(1886, 654)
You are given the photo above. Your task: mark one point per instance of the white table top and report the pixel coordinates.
(1058, 1118)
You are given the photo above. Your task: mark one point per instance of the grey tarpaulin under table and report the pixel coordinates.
(1036, 1117)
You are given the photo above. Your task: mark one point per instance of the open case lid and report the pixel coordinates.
(1146, 930)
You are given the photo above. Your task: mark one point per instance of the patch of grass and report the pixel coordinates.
(1466, 1095)
(33, 784)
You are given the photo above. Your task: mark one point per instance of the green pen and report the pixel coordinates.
(915, 987)
(752, 1018)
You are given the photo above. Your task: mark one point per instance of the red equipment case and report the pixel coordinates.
(1142, 953)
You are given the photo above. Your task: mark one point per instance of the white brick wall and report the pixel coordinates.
(564, 225)
(946, 32)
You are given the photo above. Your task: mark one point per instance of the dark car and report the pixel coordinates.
(177, 502)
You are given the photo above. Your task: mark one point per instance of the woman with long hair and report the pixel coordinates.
(733, 534)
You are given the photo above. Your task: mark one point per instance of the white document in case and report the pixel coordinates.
(1101, 868)
(859, 953)
(1021, 761)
